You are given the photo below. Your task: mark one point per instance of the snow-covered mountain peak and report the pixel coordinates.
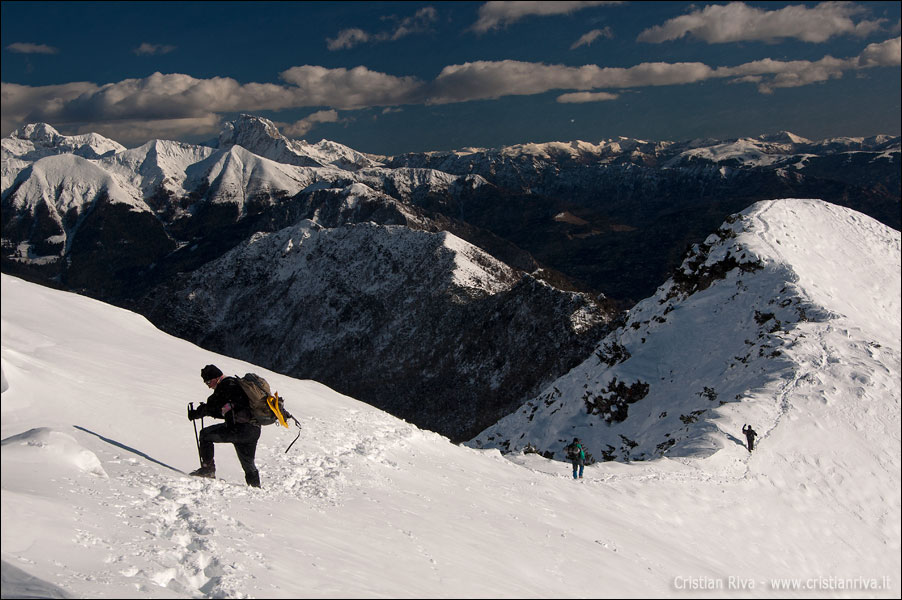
(235, 174)
(476, 270)
(743, 151)
(842, 260)
(69, 182)
(64, 190)
(784, 137)
(44, 136)
(467, 269)
(38, 133)
(158, 164)
(262, 137)
(769, 302)
(249, 131)
(338, 155)
(549, 150)
(800, 238)
(38, 140)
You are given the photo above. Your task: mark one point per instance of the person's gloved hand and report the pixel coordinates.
(195, 413)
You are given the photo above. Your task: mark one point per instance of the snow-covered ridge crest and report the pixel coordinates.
(843, 261)
(476, 270)
(38, 140)
(466, 268)
(67, 182)
(253, 159)
(236, 174)
(768, 150)
(261, 136)
(45, 137)
(62, 190)
(780, 295)
(158, 164)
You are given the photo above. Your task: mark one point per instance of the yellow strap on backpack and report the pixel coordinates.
(273, 403)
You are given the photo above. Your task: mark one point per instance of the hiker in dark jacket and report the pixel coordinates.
(228, 401)
(577, 455)
(750, 435)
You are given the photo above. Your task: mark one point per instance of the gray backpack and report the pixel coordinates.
(266, 408)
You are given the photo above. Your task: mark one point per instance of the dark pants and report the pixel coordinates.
(751, 442)
(578, 465)
(243, 435)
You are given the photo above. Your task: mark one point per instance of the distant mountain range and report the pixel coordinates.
(464, 282)
(617, 216)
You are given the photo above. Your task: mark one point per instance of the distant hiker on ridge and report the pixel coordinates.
(228, 401)
(749, 436)
(577, 455)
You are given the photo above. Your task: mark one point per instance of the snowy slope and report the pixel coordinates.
(38, 140)
(235, 175)
(94, 504)
(158, 164)
(68, 182)
(60, 191)
(789, 299)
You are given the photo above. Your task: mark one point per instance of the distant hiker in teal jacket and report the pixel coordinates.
(577, 455)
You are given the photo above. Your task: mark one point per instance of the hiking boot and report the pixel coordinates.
(208, 471)
(252, 479)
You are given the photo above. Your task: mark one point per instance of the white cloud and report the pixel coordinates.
(420, 22)
(349, 88)
(172, 105)
(883, 54)
(26, 48)
(582, 97)
(487, 80)
(25, 104)
(146, 48)
(136, 131)
(787, 74)
(347, 38)
(300, 128)
(734, 22)
(493, 15)
(588, 38)
(797, 73)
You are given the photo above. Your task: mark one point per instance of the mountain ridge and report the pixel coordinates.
(427, 315)
(608, 228)
(739, 322)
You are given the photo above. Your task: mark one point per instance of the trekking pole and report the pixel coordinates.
(296, 437)
(196, 438)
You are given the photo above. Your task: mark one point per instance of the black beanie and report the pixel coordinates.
(210, 372)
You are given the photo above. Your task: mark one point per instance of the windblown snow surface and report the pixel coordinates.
(96, 444)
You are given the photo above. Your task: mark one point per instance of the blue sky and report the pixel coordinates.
(393, 77)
